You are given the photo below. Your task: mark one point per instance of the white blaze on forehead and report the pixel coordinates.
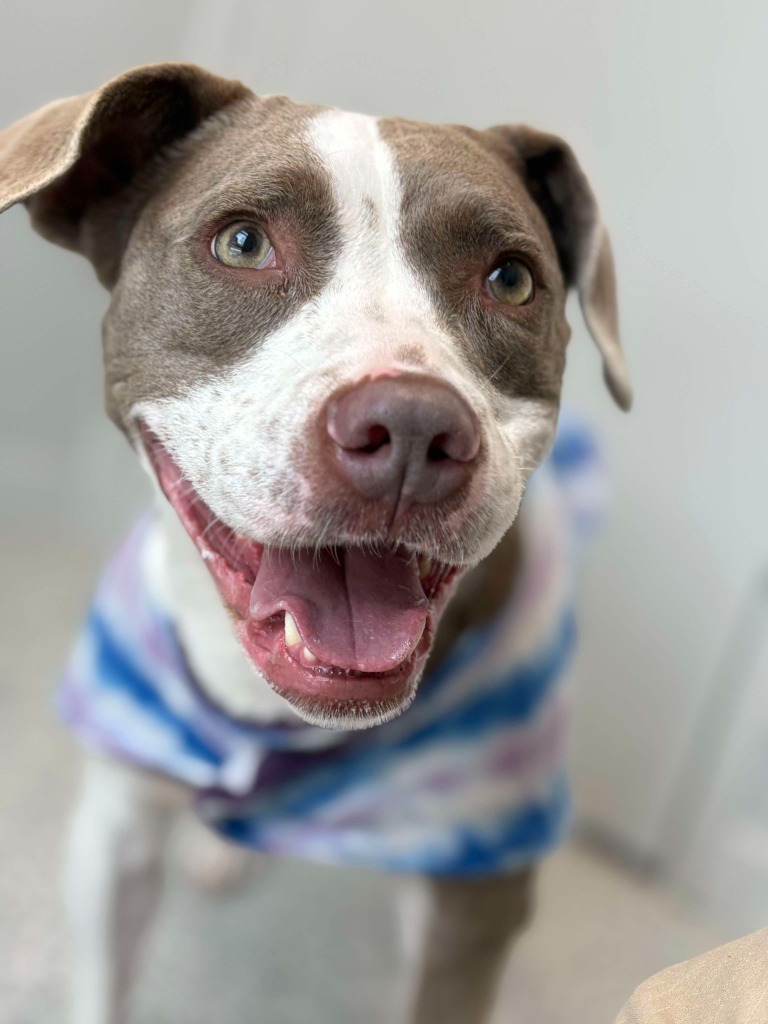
(356, 156)
(366, 185)
(362, 171)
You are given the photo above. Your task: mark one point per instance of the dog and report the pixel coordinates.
(336, 343)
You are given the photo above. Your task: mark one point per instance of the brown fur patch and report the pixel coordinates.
(412, 355)
(176, 315)
(464, 208)
(369, 213)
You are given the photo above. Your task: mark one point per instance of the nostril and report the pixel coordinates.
(378, 436)
(437, 449)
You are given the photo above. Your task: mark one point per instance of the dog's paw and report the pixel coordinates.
(213, 865)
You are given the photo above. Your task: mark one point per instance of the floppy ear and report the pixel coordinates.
(558, 185)
(71, 161)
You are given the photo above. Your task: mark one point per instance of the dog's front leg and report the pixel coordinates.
(457, 934)
(112, 882)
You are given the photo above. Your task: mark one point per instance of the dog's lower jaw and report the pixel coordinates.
(334, 699)
(226, 674)
(353, 714)
(184, 588)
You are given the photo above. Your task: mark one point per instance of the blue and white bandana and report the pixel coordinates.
(470, 781)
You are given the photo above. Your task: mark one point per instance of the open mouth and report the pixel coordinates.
(342, 633)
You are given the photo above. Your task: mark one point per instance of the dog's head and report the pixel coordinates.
(337, 343)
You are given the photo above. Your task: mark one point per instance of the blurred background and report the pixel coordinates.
(660, 100)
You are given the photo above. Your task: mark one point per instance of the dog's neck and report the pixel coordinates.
(183, 587)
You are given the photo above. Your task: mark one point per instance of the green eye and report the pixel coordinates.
(511, 283)
(242, 245)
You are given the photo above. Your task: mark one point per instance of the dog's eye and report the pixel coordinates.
(511, 283)
(243, 245)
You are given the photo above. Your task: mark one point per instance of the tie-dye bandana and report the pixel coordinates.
(469, 781)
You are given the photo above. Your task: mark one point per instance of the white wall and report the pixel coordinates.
(662, 103)
(63, 469)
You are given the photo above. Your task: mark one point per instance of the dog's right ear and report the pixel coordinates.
(71, 160)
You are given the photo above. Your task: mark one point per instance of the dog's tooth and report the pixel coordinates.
(308, 656)
(425, 566)
(292, 635)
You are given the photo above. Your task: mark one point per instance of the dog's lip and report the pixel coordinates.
(234, 563)
(300, 684)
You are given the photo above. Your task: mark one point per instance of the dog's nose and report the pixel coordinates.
(407, 438)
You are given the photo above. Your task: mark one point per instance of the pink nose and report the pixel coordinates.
(407, 437)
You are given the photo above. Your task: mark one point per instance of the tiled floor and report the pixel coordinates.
(306, 944)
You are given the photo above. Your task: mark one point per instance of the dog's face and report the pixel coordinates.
(336, 342)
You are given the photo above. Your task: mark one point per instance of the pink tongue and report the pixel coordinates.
(354, 610)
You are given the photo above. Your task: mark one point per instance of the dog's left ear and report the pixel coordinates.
(557, 183)
(74, 162)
